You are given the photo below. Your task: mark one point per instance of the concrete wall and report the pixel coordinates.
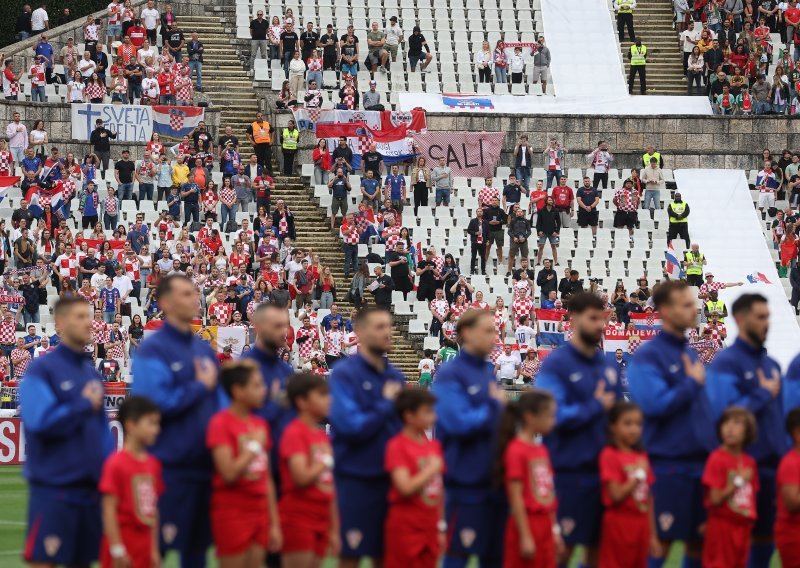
(685, 141)
(57, 122)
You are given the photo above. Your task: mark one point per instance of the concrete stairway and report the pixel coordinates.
(652, 21)
(228, 86)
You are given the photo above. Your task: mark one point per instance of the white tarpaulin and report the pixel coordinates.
(131, 123)
(532, 104)
(725, 224)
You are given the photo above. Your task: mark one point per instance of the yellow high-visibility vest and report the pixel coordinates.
(625, 7)
(678, 209)
(646, 158)
(290, 139)
(694, 263)
(718, 307)
(638, 55)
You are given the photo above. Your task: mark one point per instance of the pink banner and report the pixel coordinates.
(468, 154)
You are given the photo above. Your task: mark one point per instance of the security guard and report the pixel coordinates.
(678, 212)
(693, 262)
(715, 306)
(638, 57)
(260, 134)
(289, 138)
(624, 10)
(651, 153)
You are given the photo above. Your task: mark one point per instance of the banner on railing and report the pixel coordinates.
(468, 154)
(308, 118)
(135, 123)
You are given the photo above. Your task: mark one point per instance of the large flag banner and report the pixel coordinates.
(176, 121)
(467, 102)
(131, 123)
(628, 341)
(309, 118)
(469, 154)
(6, 183)
(550, 327)
(393, 144)
(220, 337)
(673, 268)
(647, 321)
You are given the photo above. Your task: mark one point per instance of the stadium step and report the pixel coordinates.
(652, 22)
(228, 87)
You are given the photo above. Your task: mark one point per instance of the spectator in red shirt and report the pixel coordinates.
(564, 201)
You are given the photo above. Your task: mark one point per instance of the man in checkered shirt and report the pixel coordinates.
(627, 202)
(488, 193)
(439, 308)
(350, 237)
(305, 337)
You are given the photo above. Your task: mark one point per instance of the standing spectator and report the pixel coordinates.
(653, 179)
(678, 214)
(40, 21)
(315, 66)
(114, 23)
(478, 231)
(340, 195)
(588, 198)
(548, 226)
(496, 218)
(394, 37)
(768, 183)
(36, 74)
(289, 138)
(175, 42)
(547, 279)
(124, 170)
(516, 65)
(288, 46)
(541, 63)
(194, 50)
(260, 135)
(150, 17)
(421, 179)
(519, 230)
(100, 139)
(10, 81)
(626, 199)
(297, 70)
(243, 186)
(416, 43)
(523, 161)
(564, 201)
(382, 288)
(322, 161)
(638, 64)
(600, 161)
(483, 63)
(328, 43)
(22, 28)
(554, 161)
(395, 189)
(17, 134)
(46, 54)
(761, 95)
(442, 178)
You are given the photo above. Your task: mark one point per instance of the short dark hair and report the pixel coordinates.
(663, 293)
(751, 426)
(65, 304)
(165, 284)
(236, 373)
(301, 384)
(134, 408)
(412, 399)
(793, 420)
(745, 302)
(583, 301)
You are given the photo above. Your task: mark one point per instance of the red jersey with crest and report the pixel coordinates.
(529, 462)
(228, 429)
(313, 501)
(420, 511)
(620, 466)
(787, 535)
(722, 467)
(136, 483)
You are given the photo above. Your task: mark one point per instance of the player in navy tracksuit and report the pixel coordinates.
(178, 371)
(67, 440)
(363, 419)
(666, 380)
(271, 324)
(744, 375)
(468, 406)
(585, 386)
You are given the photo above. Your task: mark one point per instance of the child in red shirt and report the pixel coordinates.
(244, 516)
(730, 480)
(415, 526)
(787, 524)
(533, 536)
(628, 530)
(309, 519)
(130, 485)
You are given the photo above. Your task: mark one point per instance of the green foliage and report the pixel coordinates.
(12, 8)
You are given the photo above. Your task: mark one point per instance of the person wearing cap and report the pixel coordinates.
(372, 98)
(45, 51)
(394, 37)
(710, 285)
(416, 43)
(329, 44)
(349, 56)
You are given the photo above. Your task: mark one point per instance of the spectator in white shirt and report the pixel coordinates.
(87, 66)
(516, 64)
(17, 134)
(483, 63)
(150, 18)
(394, 37)
(76, 89)
(40, 21)
(506, 367)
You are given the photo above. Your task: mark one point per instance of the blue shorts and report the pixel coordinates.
(580, 510)
(678, 496)
(184, 510)
(64, 527)
(442, 196)
(363, 505)
(765, 502)
(476, 522)
(114, 30)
